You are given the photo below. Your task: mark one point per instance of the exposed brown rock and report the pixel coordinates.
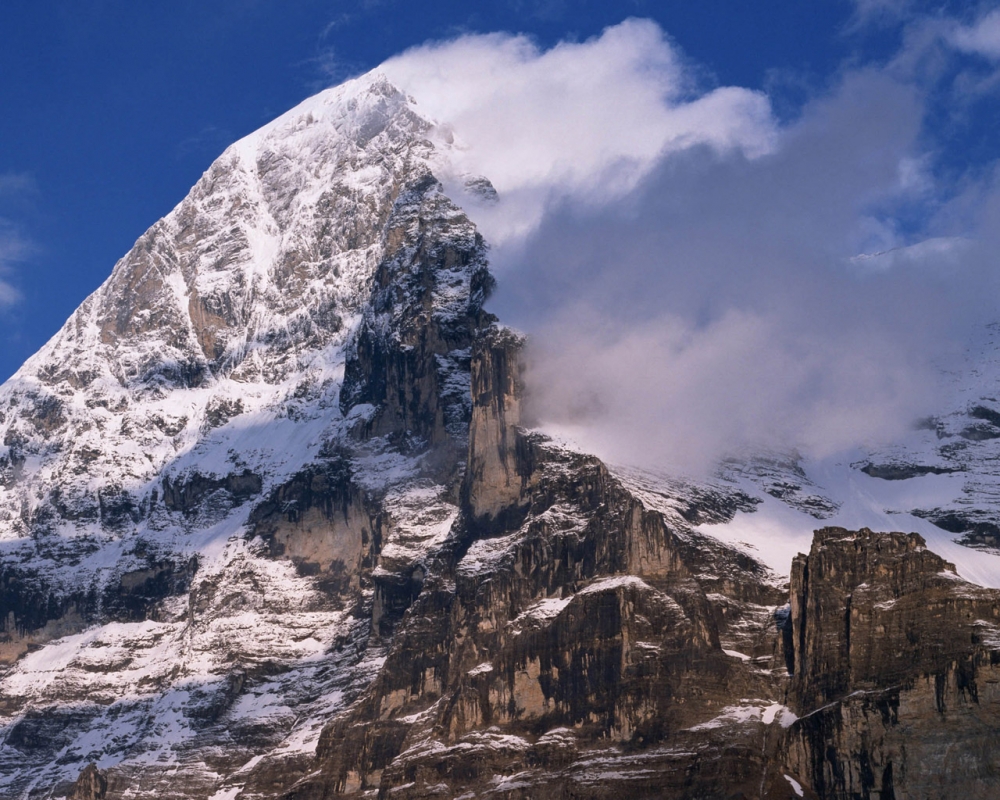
(407, 343)
(870, 607)
(562, 623)
(321, 521)
(499, 456)
(897, 671)
(91, 785)
(187, 493)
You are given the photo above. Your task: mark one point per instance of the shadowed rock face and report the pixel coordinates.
(320, 521)
(408, 343)
(499, 454)
(896, 671)
(559, 626)
(871, 607)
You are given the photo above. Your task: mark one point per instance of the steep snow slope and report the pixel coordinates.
(942, 481)
(226, 320)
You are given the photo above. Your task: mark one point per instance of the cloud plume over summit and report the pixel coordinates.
(582, 120)
(697, 278)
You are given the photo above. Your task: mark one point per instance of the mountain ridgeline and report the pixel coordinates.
(271, 526)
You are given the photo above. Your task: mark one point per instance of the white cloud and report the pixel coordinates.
(11, 251)
(688, 271)
(17, 183)
(867, 12)
(14, 246)
(8, 295)
(941, 253)
(581, 119)
(717, 308)
(981, 38)
(666, 392)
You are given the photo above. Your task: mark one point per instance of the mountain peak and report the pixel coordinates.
(225, 314)
(270, 525)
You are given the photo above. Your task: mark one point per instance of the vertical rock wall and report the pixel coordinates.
(896, 672)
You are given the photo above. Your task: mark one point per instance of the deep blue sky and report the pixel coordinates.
(111, 109)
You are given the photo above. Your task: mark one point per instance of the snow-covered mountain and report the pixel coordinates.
(150, 446)
(270, 527)
(940, 480)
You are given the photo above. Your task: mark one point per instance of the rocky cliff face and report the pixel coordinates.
(271, 526)
(560, 625)
(897, 661)
(235, 457)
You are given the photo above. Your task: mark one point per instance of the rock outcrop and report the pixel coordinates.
(560, 624)
(896, 671)
(91, 785)
(499, 464)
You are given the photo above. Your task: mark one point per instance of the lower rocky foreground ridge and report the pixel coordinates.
(564, 641)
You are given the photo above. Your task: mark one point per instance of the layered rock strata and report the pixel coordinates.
(897, 669)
